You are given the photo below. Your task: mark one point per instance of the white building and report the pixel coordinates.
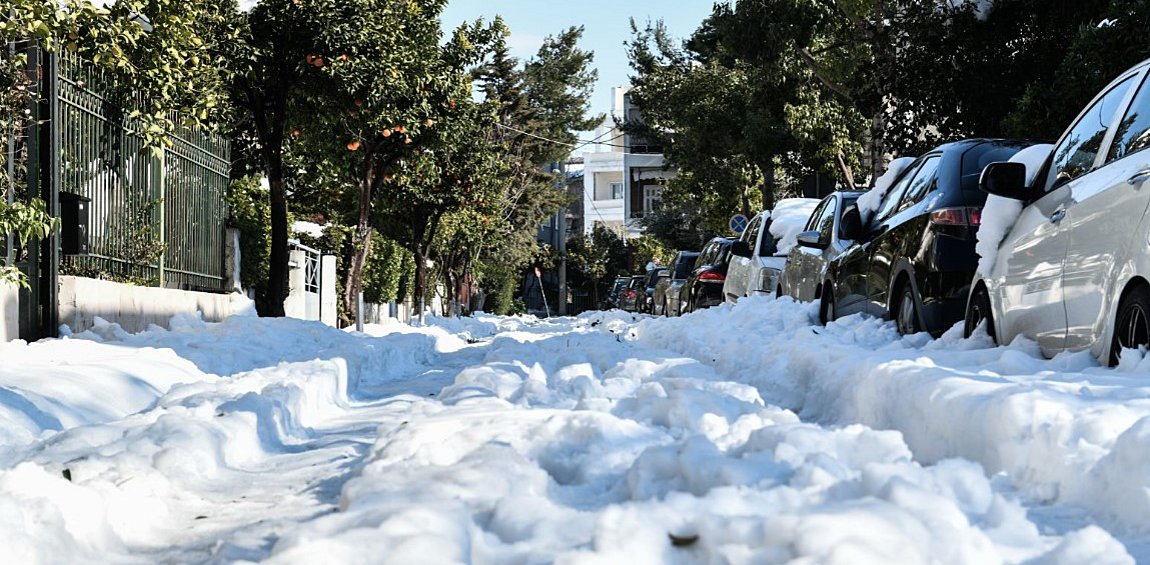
(624, 175)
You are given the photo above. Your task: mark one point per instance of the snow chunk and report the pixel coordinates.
(309, 228)
(999, 214)
(869, 202)
(788, 220)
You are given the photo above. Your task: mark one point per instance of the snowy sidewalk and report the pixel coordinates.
(497, 440)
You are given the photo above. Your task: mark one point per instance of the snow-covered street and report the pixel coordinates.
(745, 434)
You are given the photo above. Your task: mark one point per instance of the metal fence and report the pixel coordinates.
(155, 217)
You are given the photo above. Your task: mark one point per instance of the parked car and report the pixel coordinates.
(759, 254)
(704, 286)
(648, 305)
(1072, 271)
(820, 242)
(617, 287)
(633, 294)
(912, 257)
(667, 288)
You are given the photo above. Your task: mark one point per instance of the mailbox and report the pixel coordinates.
(74, 212)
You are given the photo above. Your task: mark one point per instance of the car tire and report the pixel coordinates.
(979, 310)
(827, 307)
(1132, 323)
(905, 312)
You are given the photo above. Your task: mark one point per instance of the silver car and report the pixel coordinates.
(1072, 271)
(818, 244)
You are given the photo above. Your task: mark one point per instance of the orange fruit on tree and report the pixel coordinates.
(353, 145)
(295, 132)
(318, 62)
(386, 133)
(407, 141)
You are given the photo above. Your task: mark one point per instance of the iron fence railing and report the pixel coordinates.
(155, 218)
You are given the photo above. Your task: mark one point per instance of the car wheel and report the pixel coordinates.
(904, 313)
(1132, 324)
(827, 307)
(979, 311)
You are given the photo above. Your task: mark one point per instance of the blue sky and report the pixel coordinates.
(606, 22)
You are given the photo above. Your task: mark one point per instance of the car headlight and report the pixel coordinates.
(768, 279)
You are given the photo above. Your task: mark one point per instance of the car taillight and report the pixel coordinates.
(956, 216)
(712, 276)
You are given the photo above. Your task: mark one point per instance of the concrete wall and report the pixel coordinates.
(328, 301)
(9, 312)
(133, 307)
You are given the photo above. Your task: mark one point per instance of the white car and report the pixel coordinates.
(760, 253)
(1071, 272)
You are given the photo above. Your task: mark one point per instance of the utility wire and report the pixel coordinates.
(557, 142)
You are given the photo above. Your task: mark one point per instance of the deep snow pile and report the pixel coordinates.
(788, 219)
(604, 438)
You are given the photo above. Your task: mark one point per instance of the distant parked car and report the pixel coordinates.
(913, 256)
(820, 241)
(648, 304)
(634, 294)
(667, 288)
(620, 283)
(759, 254)
(1071, 272)
(704, 286)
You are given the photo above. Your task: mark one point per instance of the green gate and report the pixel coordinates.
(155, 218)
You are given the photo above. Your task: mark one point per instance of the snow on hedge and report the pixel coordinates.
(999, 214)
(788, 220)
(605, 438)
(869, 202)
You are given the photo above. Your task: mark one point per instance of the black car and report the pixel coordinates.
(913, 257)
(704, 286)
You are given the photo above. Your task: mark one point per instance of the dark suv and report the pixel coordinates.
(913, 257)
(704, 286)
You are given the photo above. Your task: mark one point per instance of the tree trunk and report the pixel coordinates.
(278, 259)
(418, 227)
(361, 243)
(769, 184)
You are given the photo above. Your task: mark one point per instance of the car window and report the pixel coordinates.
(770, 244)
(922, 183)
(1133, 133)
(847, 202)
(1074, 156)
(751, 234)
(825, 223)
(813, 221)
(894, 194)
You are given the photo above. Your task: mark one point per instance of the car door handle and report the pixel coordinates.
(1139, 177)
(1058, 215)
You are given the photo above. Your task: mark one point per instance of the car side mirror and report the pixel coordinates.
(740, 248)
(850, 226)
(1005, 179)
(811, 239)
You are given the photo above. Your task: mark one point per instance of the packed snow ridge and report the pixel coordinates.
(744, 434)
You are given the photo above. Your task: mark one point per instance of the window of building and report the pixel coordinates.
(616, 191)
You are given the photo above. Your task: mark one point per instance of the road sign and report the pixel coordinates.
(738, 223)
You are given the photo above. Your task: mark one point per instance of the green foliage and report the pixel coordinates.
(250, 214)
(388, 262)
(647, 249)
(598, 256)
